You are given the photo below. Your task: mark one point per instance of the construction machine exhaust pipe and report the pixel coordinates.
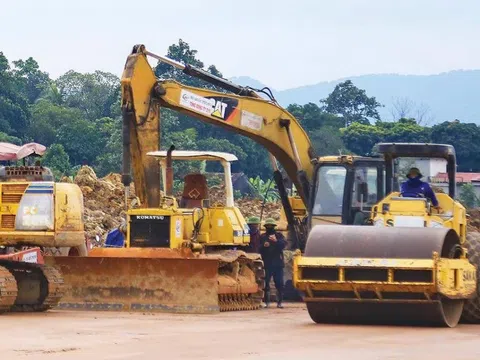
(128, 118)
(169, 172)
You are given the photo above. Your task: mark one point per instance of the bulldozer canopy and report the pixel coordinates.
(195, 155)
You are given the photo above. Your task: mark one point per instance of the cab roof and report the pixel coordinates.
(417, 150)
(194, 155)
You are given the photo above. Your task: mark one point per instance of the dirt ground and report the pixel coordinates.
(265, 334)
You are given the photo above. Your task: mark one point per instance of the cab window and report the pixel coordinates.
(330, 187)
(365, 192)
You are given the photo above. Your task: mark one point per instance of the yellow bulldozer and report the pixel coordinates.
(36, 214)
(182, 256)
(409, 266)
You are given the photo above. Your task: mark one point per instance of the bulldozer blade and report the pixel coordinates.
(138, 280)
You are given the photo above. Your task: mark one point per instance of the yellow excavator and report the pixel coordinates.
(334, 190)
(36, 214)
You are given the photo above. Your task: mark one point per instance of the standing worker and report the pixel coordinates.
(272, 244)
(254, 225)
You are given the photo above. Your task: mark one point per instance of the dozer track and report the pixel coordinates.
(248, 274)
(371, 275)
(161, 280)
(29, 287)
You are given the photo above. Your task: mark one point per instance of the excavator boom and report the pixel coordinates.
(243, 112)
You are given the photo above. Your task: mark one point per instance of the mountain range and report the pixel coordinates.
(441, 97)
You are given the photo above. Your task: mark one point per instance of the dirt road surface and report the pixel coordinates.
(266, 334)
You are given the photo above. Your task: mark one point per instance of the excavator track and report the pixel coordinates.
(8, 290)
(38, 287)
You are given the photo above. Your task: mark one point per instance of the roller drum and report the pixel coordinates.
(379, 242)
(388, 243)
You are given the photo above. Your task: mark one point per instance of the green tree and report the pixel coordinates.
(92, 93)
(57, 160)
(327, 140)
(360, 138)
(351, 103)
(110, 158)
(10, 139)
(14, 111)
(47, 118)
(183, 53)
(81, 140)
(465, 137)
(467, 196)
(31, 81)
(312, 117)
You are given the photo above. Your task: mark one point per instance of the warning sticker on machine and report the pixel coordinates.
(30, 257)
(251, 120)
(215, 106)
(178, 228)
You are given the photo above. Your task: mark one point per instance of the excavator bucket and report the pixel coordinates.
(136, 279)
(376, 275)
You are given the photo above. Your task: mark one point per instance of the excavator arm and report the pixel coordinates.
(242, 111)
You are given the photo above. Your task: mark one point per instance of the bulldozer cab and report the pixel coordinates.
(345, 189)
(195, 193)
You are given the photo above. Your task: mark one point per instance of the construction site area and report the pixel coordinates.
(268, 334)
(342, 256)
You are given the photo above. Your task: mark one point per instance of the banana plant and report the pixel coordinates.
(265, 189)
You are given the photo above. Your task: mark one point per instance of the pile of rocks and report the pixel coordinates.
(103, 201)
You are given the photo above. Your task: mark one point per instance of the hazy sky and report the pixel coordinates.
(281, 43)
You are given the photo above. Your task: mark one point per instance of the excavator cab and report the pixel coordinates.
(345, 189)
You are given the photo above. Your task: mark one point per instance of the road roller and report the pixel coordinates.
(410, 264)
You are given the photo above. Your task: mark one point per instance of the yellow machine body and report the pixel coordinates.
(221, 226)
(408, 266)
(175, 259)
(35, 214)
(65, 224)
(394, 211)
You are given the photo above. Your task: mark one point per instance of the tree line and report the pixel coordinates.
(77, 116)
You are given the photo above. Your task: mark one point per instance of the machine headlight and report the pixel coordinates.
(379, 223)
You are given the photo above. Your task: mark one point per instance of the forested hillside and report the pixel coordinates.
(77, 116)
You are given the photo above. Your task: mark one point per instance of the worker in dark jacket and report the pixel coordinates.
(414, 187)
(272, 244)
(254, 226)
